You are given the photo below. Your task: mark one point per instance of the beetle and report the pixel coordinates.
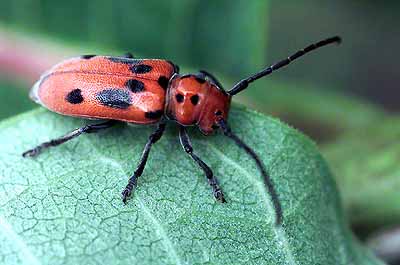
(146, 91)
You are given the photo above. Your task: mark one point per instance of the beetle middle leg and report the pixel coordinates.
(69, 136)
(153, 138)
(187, 146)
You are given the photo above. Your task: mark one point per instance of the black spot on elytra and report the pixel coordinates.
(123, 60)
(163, 81)
(134, 85)
(115, 98)
(141, 68)
(154, 114)
(194, 99)
(179, 98)
(87, 56)
(75, 96)
(200, 80)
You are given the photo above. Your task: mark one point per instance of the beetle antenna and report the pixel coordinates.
(245, 82)
(267, 179)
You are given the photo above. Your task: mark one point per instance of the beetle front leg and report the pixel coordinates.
(153, 138)
(187, 146)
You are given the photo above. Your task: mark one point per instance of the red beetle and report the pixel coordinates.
(144, 91)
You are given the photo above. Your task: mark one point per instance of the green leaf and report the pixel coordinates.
(366, 160)
(64, 207)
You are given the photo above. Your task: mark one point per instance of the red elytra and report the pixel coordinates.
(105, 88)
(145, 91)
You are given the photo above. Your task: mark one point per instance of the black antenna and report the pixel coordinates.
(245, 82)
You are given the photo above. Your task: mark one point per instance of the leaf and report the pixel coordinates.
(64, 207)
(366, 160)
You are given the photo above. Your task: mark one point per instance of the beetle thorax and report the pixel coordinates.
(195, 101)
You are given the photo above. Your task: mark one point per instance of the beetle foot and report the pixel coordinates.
(125, 195)
(32, 153)
(219, 195)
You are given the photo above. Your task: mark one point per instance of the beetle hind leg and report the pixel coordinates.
(187, 146)
(93, 128)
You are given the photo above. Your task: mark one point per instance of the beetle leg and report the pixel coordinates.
(187, 146)
(267, 179)
(75, 133)
(153, 138)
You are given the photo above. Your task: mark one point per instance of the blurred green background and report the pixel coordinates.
(345, 97)
(233, 39)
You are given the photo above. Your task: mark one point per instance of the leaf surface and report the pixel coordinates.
(64, 207)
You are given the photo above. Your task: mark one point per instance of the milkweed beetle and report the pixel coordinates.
(145, 91)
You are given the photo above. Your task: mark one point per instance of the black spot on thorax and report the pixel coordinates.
(194, 99)
(179, 98)
(75, 96)
(134, 85)
(153, 115)
(115, 98)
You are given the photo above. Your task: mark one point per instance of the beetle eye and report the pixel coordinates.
(194, 99)
(179, 98)
(218, 113)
